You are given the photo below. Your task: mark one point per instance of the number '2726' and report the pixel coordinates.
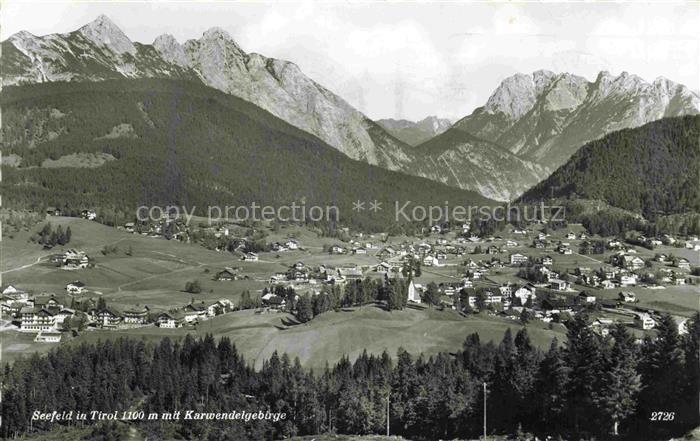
(663, 416)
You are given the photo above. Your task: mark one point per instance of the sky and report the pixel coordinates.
(412, 59)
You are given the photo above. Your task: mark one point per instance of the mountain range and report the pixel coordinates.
(125, 143)
(530, 125)
(414, 133)
(101, 51)
(545, 117)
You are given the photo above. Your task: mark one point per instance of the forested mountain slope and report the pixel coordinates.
(652, 170)
(126, 143)
(101, 51)
(544, 117)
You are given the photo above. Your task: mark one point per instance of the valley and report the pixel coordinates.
(192, 227)
(129, 270)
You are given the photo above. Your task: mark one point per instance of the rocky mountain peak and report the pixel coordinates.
(216, 33)
(217, 42)
(102, 31)
(170, 49)
(629, 82)
(518, 94)
(514, 97)
(604, 77)
(542, 79)
(435, 124)
(21, 36)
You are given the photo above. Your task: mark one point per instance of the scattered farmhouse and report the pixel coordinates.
(627, 297)
(644, 321)
(250, 257)
(517, 259)
(227, 274)
(76, 287)
(170, 320)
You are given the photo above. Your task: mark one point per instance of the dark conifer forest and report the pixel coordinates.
(652, 170)
(586, 387)
(166, 142)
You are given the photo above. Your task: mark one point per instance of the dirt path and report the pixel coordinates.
(590, 258)
(29, 265)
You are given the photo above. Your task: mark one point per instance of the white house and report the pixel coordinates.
(524, 293)
(683, 263)
(564, 249)
(558, 284)
(194, 312)
(222, 305)
(63, 314)
(631, 262)
(382, 267)
(493, 299)
(607, 284)
(645, 321)
(135, 316)
(37, 319)
(250, 257)
(11, 289)
(430, 261)
(48, 337)
(614, 243)
(628, 279)
(628, 297)
(517, 258)
(76, 287)
(506, 290)
(88, 214)
(587, 298)
(170, 320)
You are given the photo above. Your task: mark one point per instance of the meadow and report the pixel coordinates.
(152, 271)
(347, 332)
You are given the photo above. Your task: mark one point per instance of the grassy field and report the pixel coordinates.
(15, 343)
(153, 274)
(348, 332)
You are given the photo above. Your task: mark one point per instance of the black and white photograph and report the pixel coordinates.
(359, 220)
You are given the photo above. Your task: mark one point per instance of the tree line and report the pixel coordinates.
(49, 236)
(392, 294)
(589, 386)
